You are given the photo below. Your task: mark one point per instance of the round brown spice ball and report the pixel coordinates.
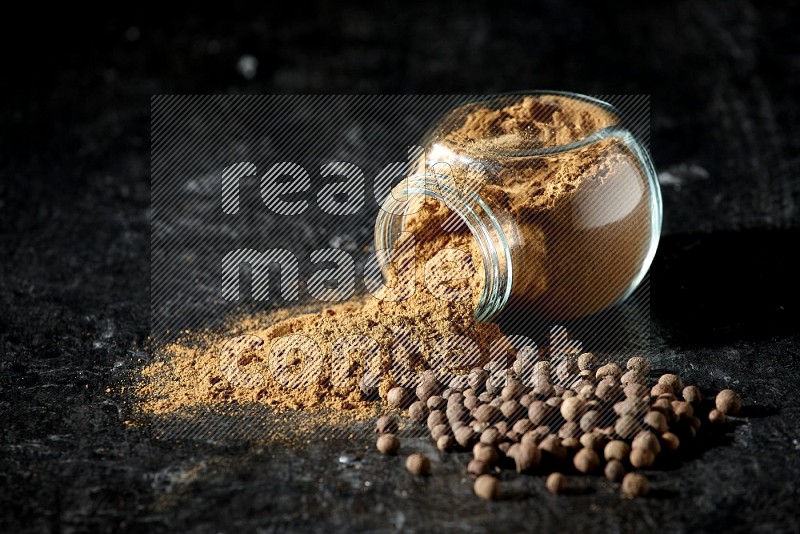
(445, 443)
(399, 397)
(486, 453)
(439, 431)
(728, 402)
(647, 440)
(590, 420)
(642, 458)
(436, 417)
(476, 468)
(587, 361)
(571, 444)
(682, 409)
(487, 487)
(511, 409)
(436, 403)
(486, 413)
(418, 411)
(638, 364)
(660, 389)
(610, 369)
(594, 440)
(656, 421)
(634, 485)
(626, 427)
(614, 471)
(569, 430)
(671, 441)
(386, 424)
(673, 381)
(716, 417)
(418, 464)
(572, 408)
(556, 483)
(692, 394)
(617, 450)
(388, 444)
(586, 461)
(491, 436)
(466, 437)
(526, 457)
(552, 446)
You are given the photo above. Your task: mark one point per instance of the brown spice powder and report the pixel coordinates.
(364, 347)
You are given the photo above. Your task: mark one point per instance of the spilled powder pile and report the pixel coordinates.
(348, 355)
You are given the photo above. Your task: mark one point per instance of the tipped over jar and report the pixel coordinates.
(560, 203)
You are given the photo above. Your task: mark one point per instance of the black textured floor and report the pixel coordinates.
(74, 303)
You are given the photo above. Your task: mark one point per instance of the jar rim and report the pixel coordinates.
(482, 224)
(603, 133)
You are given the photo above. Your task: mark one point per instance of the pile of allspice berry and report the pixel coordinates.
(567, 417)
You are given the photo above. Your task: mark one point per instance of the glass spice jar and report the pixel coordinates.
(561, 199)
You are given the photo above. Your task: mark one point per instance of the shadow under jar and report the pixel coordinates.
(561, 202)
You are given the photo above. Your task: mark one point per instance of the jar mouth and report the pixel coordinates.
(609, 131)
(479, 219)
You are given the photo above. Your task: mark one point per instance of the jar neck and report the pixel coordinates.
(473, 211)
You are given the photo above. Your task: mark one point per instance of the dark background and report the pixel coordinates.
(74, 241)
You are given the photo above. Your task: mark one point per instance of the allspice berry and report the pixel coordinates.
(634, 485)
(418, 411)
(436, 417)
(491, 436)
(656, 421)
(642, 458)
(486, 413)
(692, 394)
(511, 409)
(626, 426)
(572, 408)
(418, 464)
(586, 461)
(610, 369)
(673, 381)
(445, 443)
(556, 483)
(476, 468)
(646, 440)
(436, 403)
(399, 397)
(728, 402)
(671, 442)
(386, 424)
(571, 444)
(486, 453)
(590, 420)
(587, 361)
(682, 409)
(388, 444)
(632, 377)
(660, 389)
(552, 446)
(439, 431)
(428, 386)
(617, 450)
(614, 471)
(526, 457)
(465, 436)
(716, 417)
(594, 440)
(487, 487)
(638, 364)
